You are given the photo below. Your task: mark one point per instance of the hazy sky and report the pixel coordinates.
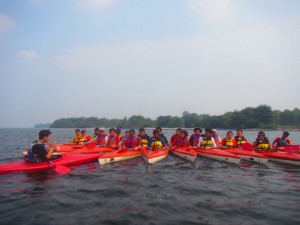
(116, 58)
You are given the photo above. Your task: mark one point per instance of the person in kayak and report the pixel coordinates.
(261, 142)
(37, 151)
(113, 140)
(78, 139)
(161, 134)
(86, 138)
(119, 134)
(175, 137)
(239, 138)
(182, 140)
(282, 141)
(100, 137)
(156, 141)
(216, 137)
(207, 141)
(228, 141)
(144, 138)
(194, 139)
(132, 142)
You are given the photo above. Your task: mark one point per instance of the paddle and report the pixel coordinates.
(60, 169)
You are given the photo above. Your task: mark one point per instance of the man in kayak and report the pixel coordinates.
(207, 141)
(175, 137)
(37, 151)
(113, 140)
(78, 139)
(282, 141)
(144, 138)
(261, 142)
(161, 134)
(132, 142)
(239, 138)
(86, 138)
(194, 139)
(100, 137)
(182, 140)
(228, 141)
(156, 141)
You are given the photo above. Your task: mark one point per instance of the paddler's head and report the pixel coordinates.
(208, 132)
(131, 132)
(183, 134)
(229, 135)
(118, 131)
(197, 131)
(156, 133)
(44, 136)
(142, 132)
(112, 131)
(285, 134)
(239, 132)
(261, 135)
(77, 132)
(178, 130)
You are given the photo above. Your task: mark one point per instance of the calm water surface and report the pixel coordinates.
(130, 192)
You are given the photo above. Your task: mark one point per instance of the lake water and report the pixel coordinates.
(130, 192)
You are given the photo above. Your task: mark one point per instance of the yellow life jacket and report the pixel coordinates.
(78, 140)
(144, 140)
(206, 143)
(229, 143)
(264, 144)
(156, 143)
(240, 140)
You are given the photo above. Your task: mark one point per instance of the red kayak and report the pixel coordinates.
(281, 157)
(219, 154)
(155, 155)
(118, 155)
(64, 160)
(185, 153)
(251, 156)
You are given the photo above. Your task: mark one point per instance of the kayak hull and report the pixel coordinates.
(251, 156)
(152, 156)
(188, 154)
(117, 156)
(219, 155)
(65, 160)
(282, 157)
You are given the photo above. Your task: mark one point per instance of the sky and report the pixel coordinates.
(117, 58)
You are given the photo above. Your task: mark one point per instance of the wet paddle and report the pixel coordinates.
(60, 169)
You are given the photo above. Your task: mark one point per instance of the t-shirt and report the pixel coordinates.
(40, 151)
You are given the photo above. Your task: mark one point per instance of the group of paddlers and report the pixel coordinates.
(208, 139)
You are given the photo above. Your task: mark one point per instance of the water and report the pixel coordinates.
(129, 192)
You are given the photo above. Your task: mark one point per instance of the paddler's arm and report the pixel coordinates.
(52, 148)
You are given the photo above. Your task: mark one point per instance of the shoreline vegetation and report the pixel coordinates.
(261, 117)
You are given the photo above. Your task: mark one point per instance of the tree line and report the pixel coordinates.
(262, 117)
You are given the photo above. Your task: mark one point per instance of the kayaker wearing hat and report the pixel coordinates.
(261, 142)
(282, 141)
(37, 151)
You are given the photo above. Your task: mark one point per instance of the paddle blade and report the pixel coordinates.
(247, 146)
(62, 169)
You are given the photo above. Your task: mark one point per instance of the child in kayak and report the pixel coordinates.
(161, 134)
(132, 142)
(144, 138)
(239, 138)
(37, 151)
(282, 141)
(207, 141)
(194, 139)
(156, 141)
(175, 136)
(86, 138)
(261, 142)
(113, 140)
(78, 139)
(216, 137)
(228, 141)
(182, 140)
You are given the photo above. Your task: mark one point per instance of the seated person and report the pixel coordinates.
(194, 139)
(216, 137)
(132, 142)
(113, 140)
(86, 138)
(239, 138)
(37, 151)
(156, 141)
(78, 139)
(182, 140)
(228, 141)
(207, 141)
(282, 141)
(261, 142)
(174, 137)
(100, 138)
(144, 138)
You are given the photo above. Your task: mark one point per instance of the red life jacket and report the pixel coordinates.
(113, 141)
(101, 140)
(132, 142)
(182, 142)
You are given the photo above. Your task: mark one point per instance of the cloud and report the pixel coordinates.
(95, 4)
(211, 10)
(28, 54)
(6, 23)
